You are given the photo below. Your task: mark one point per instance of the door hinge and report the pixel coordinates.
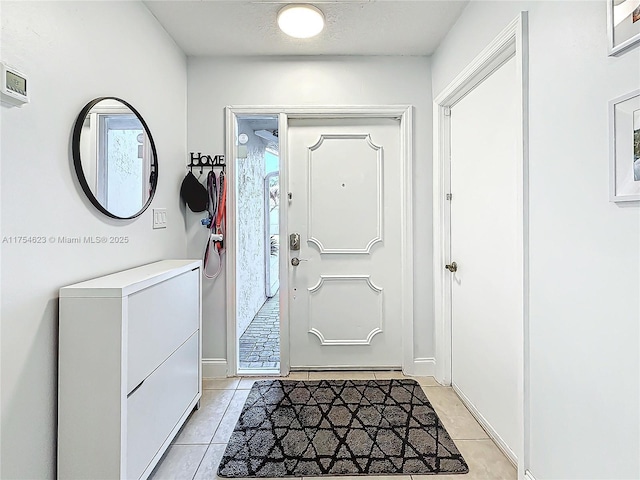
(447, 111)
(449, 196)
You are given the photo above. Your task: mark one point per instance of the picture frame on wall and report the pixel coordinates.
(623, 25)
(624, 137)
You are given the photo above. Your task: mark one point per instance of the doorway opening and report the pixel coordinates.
(258, 245)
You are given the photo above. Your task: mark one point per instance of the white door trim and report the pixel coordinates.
(512, 41)
(404, 113)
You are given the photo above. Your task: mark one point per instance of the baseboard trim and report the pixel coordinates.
(487, 426)
(215, 368)
(423, 367)
(528, 475)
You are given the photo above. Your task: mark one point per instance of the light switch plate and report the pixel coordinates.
(159, 218)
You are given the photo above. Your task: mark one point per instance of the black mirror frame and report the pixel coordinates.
(77, 162)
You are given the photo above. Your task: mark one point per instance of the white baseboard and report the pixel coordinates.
(214, 368)
(528, 475)
(423, 367)
(487, 426)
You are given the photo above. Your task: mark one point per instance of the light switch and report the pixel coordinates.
(159, 218)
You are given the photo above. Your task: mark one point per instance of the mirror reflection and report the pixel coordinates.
(115, 157)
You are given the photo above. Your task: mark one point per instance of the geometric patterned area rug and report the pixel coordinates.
(339, 427)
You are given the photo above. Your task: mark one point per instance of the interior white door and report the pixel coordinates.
(487, 287)
(345, 294)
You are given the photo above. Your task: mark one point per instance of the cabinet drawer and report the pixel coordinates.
(155, 408)
(160, 319)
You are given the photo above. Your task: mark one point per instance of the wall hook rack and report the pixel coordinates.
(201, 161)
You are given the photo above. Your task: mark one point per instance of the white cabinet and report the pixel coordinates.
(129, 370)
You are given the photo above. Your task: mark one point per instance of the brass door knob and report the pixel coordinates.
(452, 267)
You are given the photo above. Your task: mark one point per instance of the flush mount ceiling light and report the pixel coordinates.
(300, 20)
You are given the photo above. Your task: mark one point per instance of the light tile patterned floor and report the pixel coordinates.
(260, 343)
(198, 448)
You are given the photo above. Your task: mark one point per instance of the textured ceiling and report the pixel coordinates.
(240, 27)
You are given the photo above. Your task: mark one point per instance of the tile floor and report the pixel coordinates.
(197, 449)
(260, 343)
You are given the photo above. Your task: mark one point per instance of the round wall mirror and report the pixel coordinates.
(115, 157)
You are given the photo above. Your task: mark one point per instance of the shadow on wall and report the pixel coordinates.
(30, 391)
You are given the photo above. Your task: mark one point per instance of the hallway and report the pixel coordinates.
(197, 449)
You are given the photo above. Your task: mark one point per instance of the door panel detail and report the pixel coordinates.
(333, 322)
(340, 194)
(346, 299)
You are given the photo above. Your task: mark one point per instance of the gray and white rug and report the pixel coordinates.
(339, 427)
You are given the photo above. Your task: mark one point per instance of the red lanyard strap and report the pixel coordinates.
(222, 209)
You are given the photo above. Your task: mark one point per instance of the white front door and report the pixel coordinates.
(487, 287)
(345, 179)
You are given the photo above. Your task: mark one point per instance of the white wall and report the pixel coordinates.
(584, 251)
(1, 249)
(73, 52)
(250, 259)
(214, 83)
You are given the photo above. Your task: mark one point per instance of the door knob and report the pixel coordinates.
(295, 261)
(453, 267)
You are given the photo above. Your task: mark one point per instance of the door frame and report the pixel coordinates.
(403, 113)
(511, 42)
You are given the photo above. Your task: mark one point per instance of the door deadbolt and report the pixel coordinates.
(452, 267)
(294, 241)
